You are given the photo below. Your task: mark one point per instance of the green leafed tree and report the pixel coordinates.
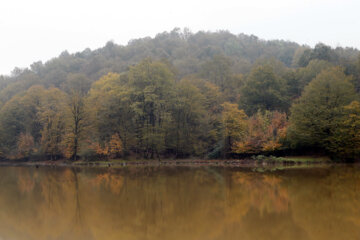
(345, 143)
(36, 117)
(263, 90)
(218, 70)
(318, 113)
(152, 93)
(188, 133)
(75, 124)
(111, 111)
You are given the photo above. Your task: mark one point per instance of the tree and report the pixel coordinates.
(75, 124)
(187, 132)
(263, 90)
(305, 58)
(38, 114)
(308, 73)
(25, 145)
(355, 71)
(235, 125)
(265, 132)
(77, 82)
(317, 114)
(320, 52)
(152, 83)
(110, 105)
(218, 71)
(212, 123)
(115, 146)
(77, 86)
(323, 52)
(345, 143)
(12, 124)
(51, 115)
(20, 115)
(296, 57)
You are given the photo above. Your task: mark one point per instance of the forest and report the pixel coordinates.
(210, 95)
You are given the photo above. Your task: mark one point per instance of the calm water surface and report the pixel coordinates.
(179, 203)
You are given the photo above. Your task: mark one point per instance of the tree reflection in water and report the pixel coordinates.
(179, 203)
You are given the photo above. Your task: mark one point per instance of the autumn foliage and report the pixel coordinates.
(265, 133)
(111, 149)
(216, 105)
(25, 145)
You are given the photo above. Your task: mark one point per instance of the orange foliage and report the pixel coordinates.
(265, 133)
(115, 146)
(111, 149)
(98, 149)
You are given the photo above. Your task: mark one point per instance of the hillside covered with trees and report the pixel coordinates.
(183, 94)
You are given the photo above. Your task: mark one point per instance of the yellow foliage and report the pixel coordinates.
(271, 145)
(234, 120)
(25, 145)
(68, 148)
(115, 145)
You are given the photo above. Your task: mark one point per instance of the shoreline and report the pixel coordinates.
(114, 163)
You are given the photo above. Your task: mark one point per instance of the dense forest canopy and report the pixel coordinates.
(183, 94)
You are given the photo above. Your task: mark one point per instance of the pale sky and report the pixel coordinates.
(33, 30)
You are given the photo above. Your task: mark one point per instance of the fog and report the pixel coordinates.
(39, 29)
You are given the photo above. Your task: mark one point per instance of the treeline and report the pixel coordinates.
(207, 95)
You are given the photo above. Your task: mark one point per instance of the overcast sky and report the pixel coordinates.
(33, 30)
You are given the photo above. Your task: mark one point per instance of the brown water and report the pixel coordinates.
(179, 203)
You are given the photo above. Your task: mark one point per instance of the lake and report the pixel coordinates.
(180, 203)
